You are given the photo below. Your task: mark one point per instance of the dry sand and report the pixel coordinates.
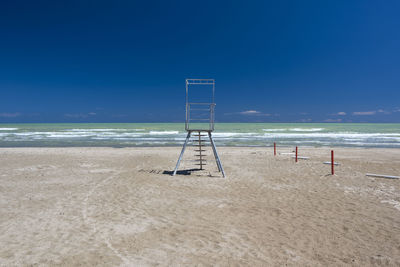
(116, 206)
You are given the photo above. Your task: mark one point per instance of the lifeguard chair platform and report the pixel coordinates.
(200, 106)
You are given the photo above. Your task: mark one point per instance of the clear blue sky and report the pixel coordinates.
(126, 61)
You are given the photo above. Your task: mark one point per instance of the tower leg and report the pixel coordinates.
(216, 155)
(181, 155)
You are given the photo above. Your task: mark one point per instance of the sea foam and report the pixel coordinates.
(306, 129)
(274, 130)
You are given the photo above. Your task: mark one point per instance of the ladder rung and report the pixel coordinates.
(201, 164)
(202, 155)
(198, 145)
(199, 150)
(202, 160)
(199, 135)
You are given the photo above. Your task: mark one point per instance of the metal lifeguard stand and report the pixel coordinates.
(200, 107)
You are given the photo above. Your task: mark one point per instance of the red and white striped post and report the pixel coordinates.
(274, 149)
(296, 153)
(332, 163)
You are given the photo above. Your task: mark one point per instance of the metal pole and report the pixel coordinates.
(187, 106)
(216, 154)
(181, 155)
(274, 149)
(296, 153)
(332, 163)
(213, 91)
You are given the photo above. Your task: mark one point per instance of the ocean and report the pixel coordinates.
(225, 134)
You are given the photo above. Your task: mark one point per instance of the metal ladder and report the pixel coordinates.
(200, 145)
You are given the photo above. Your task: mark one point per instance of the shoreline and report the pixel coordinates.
(237, 146)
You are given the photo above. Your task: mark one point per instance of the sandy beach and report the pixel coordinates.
(121, 206)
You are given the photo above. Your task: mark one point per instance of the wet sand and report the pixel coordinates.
(120, 206)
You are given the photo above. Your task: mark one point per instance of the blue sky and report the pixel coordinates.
(126, 61)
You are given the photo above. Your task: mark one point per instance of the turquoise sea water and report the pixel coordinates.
(173, 134)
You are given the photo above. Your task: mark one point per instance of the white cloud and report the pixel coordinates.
(333, 120)
(91, 113)
(341, 113)
(250, 112)
(372, 112)
(364, 113)
(10, 115)
(384, 111)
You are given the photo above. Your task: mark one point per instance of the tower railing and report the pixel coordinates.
(195, 120)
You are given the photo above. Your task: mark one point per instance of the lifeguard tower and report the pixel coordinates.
(200, 107)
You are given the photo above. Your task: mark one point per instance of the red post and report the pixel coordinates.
(296, 153)
(332, 163)
(274, 149)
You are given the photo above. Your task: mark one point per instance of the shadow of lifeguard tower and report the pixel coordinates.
(200, 106)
